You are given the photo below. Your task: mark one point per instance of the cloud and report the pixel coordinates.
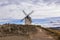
(42, 8)
(12, 9)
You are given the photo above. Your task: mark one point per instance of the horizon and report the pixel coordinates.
(47, 22)
(12, 9)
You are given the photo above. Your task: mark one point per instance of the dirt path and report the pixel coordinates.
(40, 35)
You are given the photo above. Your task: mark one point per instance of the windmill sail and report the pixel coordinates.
(27, 18)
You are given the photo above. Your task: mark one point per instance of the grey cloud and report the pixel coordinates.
(14, 1)
(17, 2)
(9, 2)
(52, 1)
(57, 2)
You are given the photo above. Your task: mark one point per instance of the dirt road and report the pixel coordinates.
(40, 35)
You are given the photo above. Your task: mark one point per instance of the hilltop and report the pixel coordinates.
(23, 32)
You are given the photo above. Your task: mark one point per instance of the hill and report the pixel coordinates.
(23, 32)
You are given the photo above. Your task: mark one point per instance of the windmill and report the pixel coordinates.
(27, 18)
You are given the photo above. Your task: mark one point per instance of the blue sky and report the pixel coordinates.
(12, 9)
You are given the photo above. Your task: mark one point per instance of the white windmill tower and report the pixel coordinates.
(27, 18)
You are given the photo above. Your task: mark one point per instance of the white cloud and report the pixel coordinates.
(41, 10)
(12, 9)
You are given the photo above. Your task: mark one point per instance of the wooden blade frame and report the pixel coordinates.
(26, 15)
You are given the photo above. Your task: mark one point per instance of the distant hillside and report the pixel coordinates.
(48, 22)
(56, 28)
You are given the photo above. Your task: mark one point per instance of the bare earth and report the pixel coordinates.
(40, 35)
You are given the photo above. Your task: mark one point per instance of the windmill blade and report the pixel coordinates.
(22, 19)
(24, 12)
(26, 16)
(30, 13)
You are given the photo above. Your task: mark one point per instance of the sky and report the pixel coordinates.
(13, 9)
(42, 8)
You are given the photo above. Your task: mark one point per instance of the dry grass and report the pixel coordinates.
(25, 32)
(13, 29)
(54, 33)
